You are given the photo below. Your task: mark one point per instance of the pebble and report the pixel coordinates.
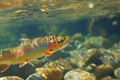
(49, 73)
(78, 74)
(61, 64)
(117, 72)
(108, 78)
(11, 78)
(34, 76)
(103, 70)
(96, 42)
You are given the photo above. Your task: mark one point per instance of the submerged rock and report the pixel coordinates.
(11, 78)
(117, 73)
(110, 56)
(116, 45)
(102, 62)
(96, 42)
(108, 78)
(79, 75)
(34, 77)
(62, 65)
(83, 57)
(91, 67)
(50, 73)
(103, 70)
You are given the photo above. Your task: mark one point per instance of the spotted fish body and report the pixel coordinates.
(32, 49)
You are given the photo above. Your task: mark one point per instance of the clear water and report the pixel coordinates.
(34, 18)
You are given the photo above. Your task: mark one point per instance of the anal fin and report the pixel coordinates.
(23, 63)
(4, 67)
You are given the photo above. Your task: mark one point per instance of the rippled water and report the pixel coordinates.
(33, 18)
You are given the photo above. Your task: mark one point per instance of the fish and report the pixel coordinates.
(31, 49)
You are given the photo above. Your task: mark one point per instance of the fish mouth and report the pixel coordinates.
(67, 40)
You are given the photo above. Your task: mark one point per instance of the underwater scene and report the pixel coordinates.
(59, 39)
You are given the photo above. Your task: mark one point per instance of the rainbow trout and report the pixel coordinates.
(31, 49)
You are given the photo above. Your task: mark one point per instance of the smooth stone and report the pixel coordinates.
(78, 74)
(34, 76)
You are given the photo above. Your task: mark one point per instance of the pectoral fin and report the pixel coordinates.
(4, 67)
(48, 53)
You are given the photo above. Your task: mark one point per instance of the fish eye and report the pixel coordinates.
(49, 39)
(61, 40)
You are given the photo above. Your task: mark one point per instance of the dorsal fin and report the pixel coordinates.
(24, 40)
(5, 52)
